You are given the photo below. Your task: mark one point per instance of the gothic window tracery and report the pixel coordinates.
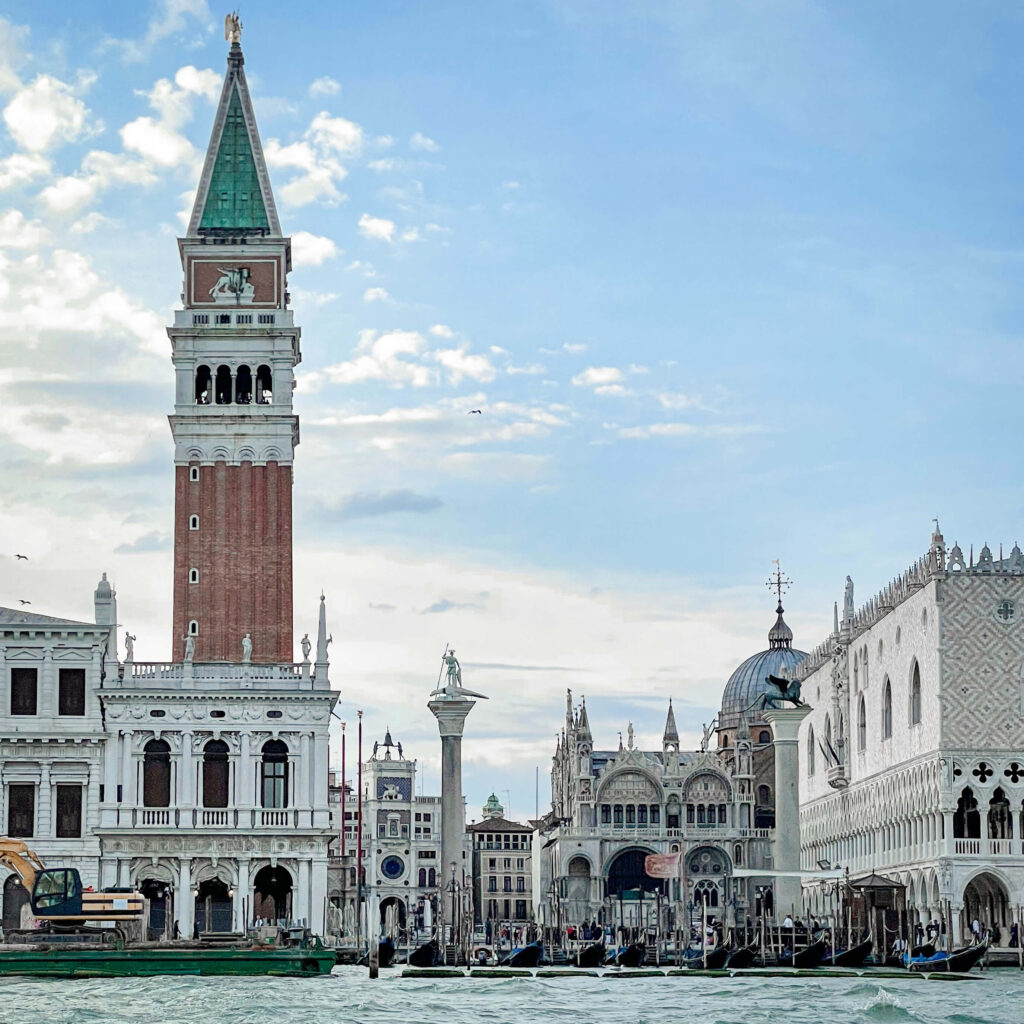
(862, 725)
(915, 696)
(887, 711)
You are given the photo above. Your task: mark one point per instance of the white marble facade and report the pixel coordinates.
(912, 761)
(205, 785)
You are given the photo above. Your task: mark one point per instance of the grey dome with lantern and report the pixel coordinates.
(747, 683)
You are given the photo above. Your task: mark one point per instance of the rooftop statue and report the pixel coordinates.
(233, 28)
(453, 689)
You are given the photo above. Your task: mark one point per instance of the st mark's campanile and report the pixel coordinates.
(234, 349)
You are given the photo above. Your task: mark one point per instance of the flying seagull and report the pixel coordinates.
(23, 557)
(477, 412)
(21, 600)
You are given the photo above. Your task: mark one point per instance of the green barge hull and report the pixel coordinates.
(50, 962)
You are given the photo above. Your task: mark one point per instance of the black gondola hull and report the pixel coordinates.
(591, 956)
(853, 957)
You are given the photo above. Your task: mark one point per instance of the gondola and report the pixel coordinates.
(806, 958)
(427, 955)
(713, 960)
(961, 960)
(524, 956)
(591, 956)
(852, 957)
(632, 955)
(385, 954)
(742, 957)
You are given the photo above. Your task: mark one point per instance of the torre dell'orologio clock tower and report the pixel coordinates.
(234, 349)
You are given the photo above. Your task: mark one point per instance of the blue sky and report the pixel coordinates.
(730, 281)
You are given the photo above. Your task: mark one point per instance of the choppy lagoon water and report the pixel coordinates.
(349, 997)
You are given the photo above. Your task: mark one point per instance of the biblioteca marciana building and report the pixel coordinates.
(201, 781)
(912, 761)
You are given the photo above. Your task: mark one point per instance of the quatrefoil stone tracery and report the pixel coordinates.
(982, 773)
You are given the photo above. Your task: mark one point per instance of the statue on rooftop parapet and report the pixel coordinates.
(190, 647)
(246, 649)
(307, 646)
(129, 646)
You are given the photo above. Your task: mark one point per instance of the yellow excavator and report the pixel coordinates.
(57, 897)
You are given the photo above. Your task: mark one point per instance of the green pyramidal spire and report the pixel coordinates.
(234, 199)
(234, 190)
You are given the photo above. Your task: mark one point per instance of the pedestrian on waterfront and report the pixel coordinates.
(1014, 936)
(787, 922)
(918, 934)
(976, 930)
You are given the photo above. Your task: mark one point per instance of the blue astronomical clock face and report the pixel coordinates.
(392, 867)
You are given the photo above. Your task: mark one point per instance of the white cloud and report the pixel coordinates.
(18, 233)
(382, 357)
(19, 168)
(365, 268)
(376, 227)
(13, 39)
(677, 400)
(383, 164)
(598, 376)
(46, 112)
(170, 18)
(530, 370)
(318, 156)
(65, 295)
(656, 430)
(375, 295)
(309, 250)
(324, 86)
(89, 223)
(574, 348)
(423, 144)
(615, 390)
(411, 235)
(460, 363)
(99, 170)
(442, 331)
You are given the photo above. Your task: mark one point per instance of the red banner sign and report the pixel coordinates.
(662, 865)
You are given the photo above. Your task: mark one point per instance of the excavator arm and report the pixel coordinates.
(21, 859)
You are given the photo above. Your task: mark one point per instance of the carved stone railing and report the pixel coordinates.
(199, 674)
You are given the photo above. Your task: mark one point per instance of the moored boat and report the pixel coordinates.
(806, 958)
(852, 957)
(960, 960)
(524, 956)
(632, 955)
(711, 960)
(385, 954)
(427, 955)
(591, 956)
(742, 957)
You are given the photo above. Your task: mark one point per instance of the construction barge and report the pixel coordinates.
(52, 959)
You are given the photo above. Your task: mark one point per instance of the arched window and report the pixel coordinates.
(243, 385)
(864, 665)
(264, 385)
(422, 878)
(886, 710)
(202, 385)
(655, 814)
(1000, 820)
(856, 673)
(764, 796)
(432, 877)
(764, 737)
(737, 855)
(810, 751)
(606, 814)
(966, 819)
(862, 725)
(215, 774)
(223, 386)
(701, 820)
(274, 774)
(193, 628)
(193, 474)
(193, 575)
(193, 522)
(617, 815)
(641, 814)
(156, 774)
(915, 696)
(828, 733)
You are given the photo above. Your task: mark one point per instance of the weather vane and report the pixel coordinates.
(777, 581)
